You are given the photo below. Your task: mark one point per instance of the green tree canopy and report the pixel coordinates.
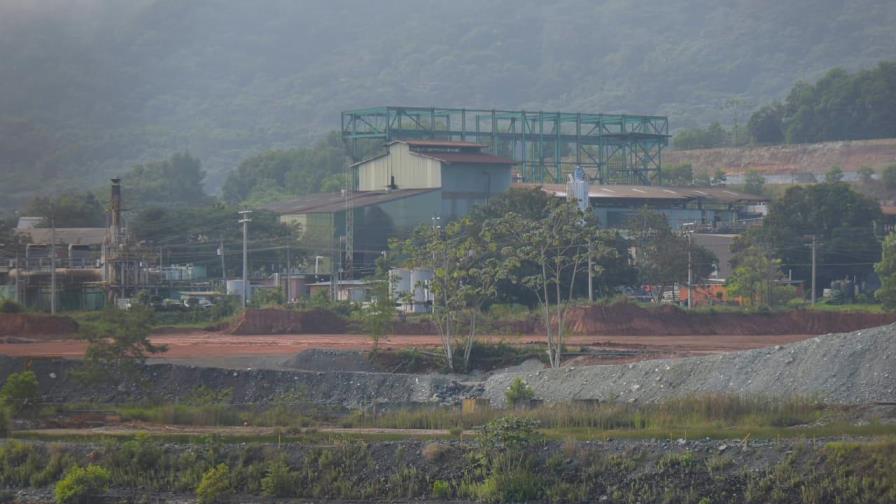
(280, 174)
(73, 209)
(843, 221)
(176, 181)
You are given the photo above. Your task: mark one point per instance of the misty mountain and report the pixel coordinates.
(90, 87)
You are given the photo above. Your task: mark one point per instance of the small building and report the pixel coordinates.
(354, 291)
(461, 172)
(706, 209)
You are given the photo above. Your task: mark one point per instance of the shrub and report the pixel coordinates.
(8, 306)
(4, 422)
(279, 481)
(82, 485)
(215, 485)
(20, 393)
(507, 433)
(519, 392)
(441, 489)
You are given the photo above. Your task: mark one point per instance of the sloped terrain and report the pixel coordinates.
(847, 368)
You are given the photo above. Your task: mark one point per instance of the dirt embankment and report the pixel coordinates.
(783, 159)
(29, 325)
(633, 320)
(274, 321)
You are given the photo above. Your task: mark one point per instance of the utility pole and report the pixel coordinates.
(53, 263)
(814, 243)
(245, 220)
(18, 276)
(590, 279)
(690, 273)
(223, 266)
(288, 268)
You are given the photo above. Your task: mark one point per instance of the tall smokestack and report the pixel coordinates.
(116, 210)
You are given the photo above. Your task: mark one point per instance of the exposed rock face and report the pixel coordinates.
(784, 159)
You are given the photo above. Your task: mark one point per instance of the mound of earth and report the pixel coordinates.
(632, 320)
(848, 368)
(276, 321)
(30, 325)
(317, 359)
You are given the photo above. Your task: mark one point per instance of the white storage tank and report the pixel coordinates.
(420, 282)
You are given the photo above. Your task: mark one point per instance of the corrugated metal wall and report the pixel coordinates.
(410, 171)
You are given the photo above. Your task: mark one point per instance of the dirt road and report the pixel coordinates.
(202, 346)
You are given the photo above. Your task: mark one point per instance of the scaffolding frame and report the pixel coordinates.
(611, 148)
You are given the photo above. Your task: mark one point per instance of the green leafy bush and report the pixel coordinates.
(280, 481)
(8, 306)
(20, 394)
(441, 489)
(519, 392)
(82, 485)
(215, 485)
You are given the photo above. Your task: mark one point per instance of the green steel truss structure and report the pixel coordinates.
(612, 148)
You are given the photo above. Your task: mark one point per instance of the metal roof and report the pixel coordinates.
(335, 202)
(720, 194)
(441, 143)
(67, 236)
(466, 158)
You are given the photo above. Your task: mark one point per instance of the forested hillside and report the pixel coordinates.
(90, 87)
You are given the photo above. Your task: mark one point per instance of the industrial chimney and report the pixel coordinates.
(116, 210)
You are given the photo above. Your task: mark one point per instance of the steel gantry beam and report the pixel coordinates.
(612, 148)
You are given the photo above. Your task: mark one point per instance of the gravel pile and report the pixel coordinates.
(848, 368)
(322, 359)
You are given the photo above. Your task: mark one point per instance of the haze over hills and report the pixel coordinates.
(87, 88)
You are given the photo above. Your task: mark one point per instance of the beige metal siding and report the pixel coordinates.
(410, 171)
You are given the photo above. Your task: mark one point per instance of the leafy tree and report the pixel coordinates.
(661, 256)
(844, 224)
(73, 209)
(713, 136)
(518, 392)
(20, 394)
(558, 245)
(754, 182)
(176, 181)
(117, 343)
(280, 480)
(376, 319)
(187, 235)
(886, 270)
(866, 174)
(82, 485)
(766, 124)
(834, 175)
(888, 176)
(281, 174)
(216, 485)
(755, 276)
(678, 175)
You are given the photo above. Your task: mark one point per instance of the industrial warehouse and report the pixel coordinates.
(435, 166)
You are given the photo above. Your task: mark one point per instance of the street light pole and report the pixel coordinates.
(245, 220)
(813, 268)
(53, 264)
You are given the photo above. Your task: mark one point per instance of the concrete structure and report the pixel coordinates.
(463, 175)
(410, 288)
(711, 209)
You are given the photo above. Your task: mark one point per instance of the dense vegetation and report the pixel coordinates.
(839, 106)
(89, 88)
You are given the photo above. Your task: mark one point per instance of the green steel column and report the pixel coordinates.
(527, 172)
(494, 134)
(463, 125)
(557, 163)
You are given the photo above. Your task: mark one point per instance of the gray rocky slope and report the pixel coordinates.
(856, 367)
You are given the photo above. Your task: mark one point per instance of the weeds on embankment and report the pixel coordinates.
(505, 464)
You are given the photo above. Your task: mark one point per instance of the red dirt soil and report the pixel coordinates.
(200, 344)
(32, 325)
(631, 319)
(274, 321)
